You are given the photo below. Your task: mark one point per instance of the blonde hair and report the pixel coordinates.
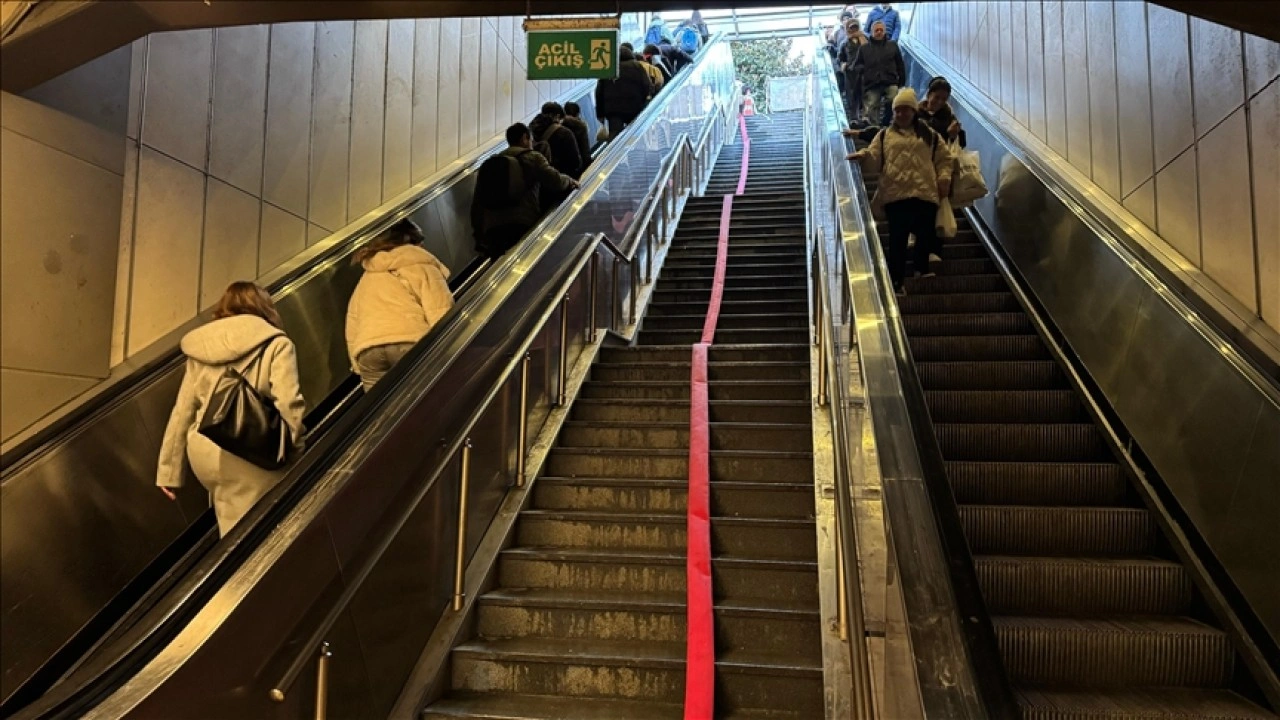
(404, 232)
(247, 298)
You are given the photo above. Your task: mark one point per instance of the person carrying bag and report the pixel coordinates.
(238, 416)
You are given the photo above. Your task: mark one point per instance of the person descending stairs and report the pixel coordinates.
(587, 618)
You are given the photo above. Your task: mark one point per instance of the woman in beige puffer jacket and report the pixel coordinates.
(246, 334)
(403, 293)
(915, 171)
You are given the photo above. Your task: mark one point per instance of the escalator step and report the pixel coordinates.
(962, 324)
(976, 348)
(1058, 531)
(1114, 652)
(1165, 703)
(1014, 585)
(992, 302)
(996, 483)
(981, 375)
(1060, 442)
(991, 283)
(1021, 406)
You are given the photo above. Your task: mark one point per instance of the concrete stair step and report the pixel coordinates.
(731, 465)
(512, 706)
(727, 321)
(729, 335)
(675, 435)
(728, 499)
(797, 306)
(745, 411)
(744, 390)
(717, 353)
(618, 569)
(716, 370)
(772, 538)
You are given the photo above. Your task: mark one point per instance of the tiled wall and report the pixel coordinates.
(1175, 117)
(248, 144)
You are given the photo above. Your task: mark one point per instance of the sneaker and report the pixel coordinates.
(900, 290)
(934, 262)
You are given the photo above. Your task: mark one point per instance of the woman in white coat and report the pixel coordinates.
(246, 334)
(403, 293)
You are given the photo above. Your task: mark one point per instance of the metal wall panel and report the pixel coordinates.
(288, 145)
(331, 124)
(1142, 203)
(237, 133)
(506, 76)
(175, 117)
(29, 396)
(368, 108)
(1226, 221)
(1134, 93)
(1171, 107)
(430, 77)
(124, 256)
(1075, 37)
(469, 78)
(1104, 130)
(1217, 64)
(447, 128)
(166, 248)
(1055, 88)
(398, 134)
(137, 78)
(1035, 71)
(230, 248)
(1264, 148)
(488, 89)
(1261, 63)
(1018, 37)
(284, 235)
(1178, 208)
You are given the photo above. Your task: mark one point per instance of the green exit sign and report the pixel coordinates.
(571, 54)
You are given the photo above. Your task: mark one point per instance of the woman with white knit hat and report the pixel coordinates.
(915, 173)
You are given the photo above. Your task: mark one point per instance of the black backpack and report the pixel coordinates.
(501, 182)
(543, 144)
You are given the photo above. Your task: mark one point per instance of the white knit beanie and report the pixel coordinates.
(905, 96)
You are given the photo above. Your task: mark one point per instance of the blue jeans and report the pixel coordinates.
(877, 104)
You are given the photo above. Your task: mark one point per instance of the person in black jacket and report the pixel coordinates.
(937, 112)
(852, 82)
(653, 56)
(675, 58)
(619, 100)
(880, 67)
(573, 120)
(548, 128)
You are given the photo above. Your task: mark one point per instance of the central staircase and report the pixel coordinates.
(587, 618)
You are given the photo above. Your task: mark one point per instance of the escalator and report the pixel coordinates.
(1093, 613)
(587, 617)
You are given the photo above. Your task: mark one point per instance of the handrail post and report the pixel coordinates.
(842, 601)
(614, 320)
(563, 391)
(322, 682)
(591, 313)
(460, 566)
(522, 441)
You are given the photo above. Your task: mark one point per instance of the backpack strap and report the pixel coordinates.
(546, 135)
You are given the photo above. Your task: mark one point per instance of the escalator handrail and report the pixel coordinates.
(459, 326)
(959, 670)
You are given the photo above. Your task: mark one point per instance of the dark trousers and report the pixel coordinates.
(617, 123)
(912, 216)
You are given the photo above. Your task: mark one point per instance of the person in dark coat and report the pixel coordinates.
(675, 58)
(581, 134)
(501, 216)
(653, 56)
(547, 127)
(852, 81)
(937, 112)
(879, 65)
(619, 100)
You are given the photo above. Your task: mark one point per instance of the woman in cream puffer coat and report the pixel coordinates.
(915, 172)
(403, 293)
(245, 334)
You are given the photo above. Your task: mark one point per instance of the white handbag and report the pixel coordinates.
(946, 220)
(967, 183)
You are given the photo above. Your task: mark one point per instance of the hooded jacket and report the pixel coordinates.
(879, 64)
(403, 293)
(210, 349)
(892, 23)
(910, 166)
(626, 95)
(565, 155)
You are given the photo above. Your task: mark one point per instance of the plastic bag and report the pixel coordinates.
(967, 183)
(946, 220)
